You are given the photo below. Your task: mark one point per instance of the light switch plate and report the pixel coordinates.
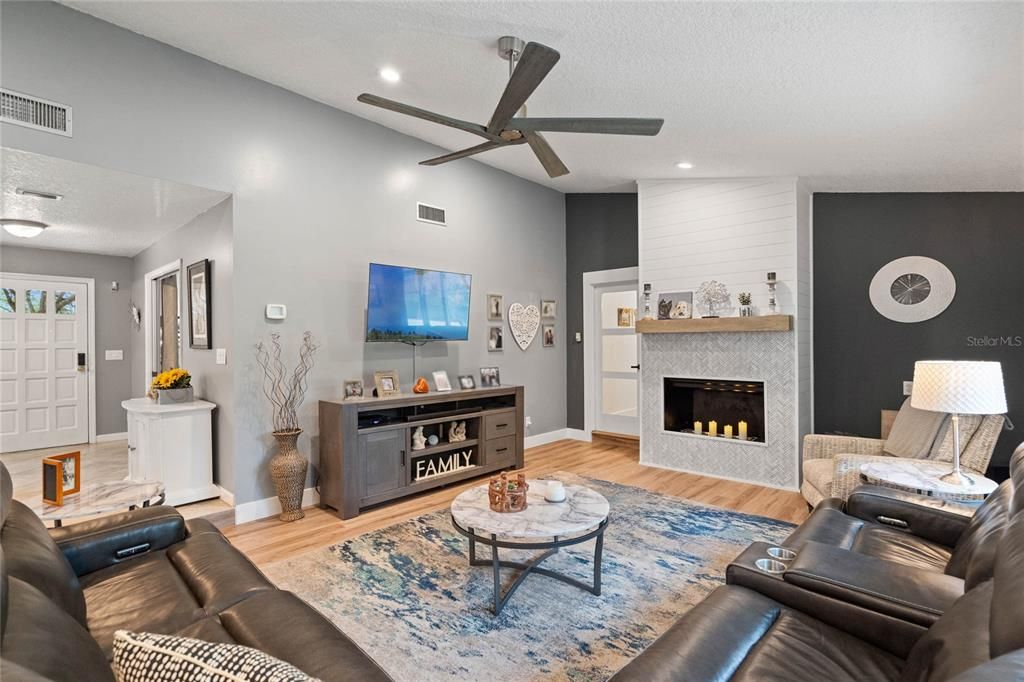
(908, 386)
(276, 311)
(222, 356)
(579, 337)
(113, 355)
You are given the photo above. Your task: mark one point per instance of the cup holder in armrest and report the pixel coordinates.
(773, 566)
(781, 553)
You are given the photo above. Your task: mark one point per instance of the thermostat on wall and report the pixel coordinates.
(277, 311)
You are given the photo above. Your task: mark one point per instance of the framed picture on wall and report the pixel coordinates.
(494, 307)
(495, 339)
(199, 305)
(548, 310)
(547, 335)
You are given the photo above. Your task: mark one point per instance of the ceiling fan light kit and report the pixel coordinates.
(529, 64)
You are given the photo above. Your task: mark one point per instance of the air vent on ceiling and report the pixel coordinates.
(33, 112)
(426, 213)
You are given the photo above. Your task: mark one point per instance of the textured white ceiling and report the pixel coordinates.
(103, 211)
(861, 96)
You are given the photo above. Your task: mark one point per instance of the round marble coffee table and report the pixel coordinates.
(581, 517)
(923, 478)
(100, 498)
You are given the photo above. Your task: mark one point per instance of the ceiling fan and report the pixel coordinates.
(529, 64)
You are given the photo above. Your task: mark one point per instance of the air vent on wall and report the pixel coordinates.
(33, 112)
(430, 214)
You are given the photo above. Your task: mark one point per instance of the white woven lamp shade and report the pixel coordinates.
(958, 387)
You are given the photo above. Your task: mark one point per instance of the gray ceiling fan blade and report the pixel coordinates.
(603, 126)
(398, 107)
(535, 63)
(547, 156)
(462, 154)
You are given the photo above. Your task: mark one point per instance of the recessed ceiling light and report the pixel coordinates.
(390, 75)
(23, 228)
(685, 165)
(38, 193)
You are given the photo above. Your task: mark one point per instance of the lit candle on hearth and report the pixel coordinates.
(743, 430)
(698, 427)
(712, 428)
(728, 431)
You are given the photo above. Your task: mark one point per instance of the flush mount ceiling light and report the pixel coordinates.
(39, 194)
(685, 165)
(23, 228)
(390, 75)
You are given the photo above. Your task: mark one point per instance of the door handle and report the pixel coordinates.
(81, 362)
(637, 366)
(401, 455)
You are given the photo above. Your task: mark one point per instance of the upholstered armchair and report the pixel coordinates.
(831, 464)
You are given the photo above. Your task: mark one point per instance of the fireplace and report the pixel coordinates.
(725, 409)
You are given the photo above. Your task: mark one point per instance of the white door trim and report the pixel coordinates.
(147, 313)
(90, 342)
(590, 281)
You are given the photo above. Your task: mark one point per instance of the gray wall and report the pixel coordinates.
(113, 323)
(317, 194)
(206, 236)
(600, 234)
(860, 357)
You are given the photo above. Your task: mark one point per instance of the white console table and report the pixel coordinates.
(172, 444)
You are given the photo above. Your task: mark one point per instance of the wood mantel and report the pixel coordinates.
(763, 323)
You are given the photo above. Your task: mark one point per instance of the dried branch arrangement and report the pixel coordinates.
(285, 393)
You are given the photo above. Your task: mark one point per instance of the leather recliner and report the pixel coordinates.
(740, 635)
(918, 531)
(64, 592)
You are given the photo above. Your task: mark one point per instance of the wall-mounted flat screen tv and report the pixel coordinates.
(412, 304)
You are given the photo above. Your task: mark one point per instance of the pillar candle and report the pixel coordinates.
(743, 430)
(697, 427)
(712, 428)
(728, 430)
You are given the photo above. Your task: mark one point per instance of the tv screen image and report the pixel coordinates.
(412, 304)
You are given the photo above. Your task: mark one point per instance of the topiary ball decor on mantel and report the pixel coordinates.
(286, 392)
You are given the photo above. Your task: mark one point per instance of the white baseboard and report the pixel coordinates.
(227, 496)
(110, 437)
(719, 476)
(269, 506)
(578, 434)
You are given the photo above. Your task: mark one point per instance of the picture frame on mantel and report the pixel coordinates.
(199, 308)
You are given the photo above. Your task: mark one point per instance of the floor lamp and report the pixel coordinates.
(958, 387)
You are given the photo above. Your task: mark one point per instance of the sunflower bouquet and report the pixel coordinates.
(171, 379)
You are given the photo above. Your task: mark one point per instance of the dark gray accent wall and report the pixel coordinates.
(600, 234)
(113, 323)
(860, 357)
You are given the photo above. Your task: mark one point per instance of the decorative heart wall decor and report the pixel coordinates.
(524, 321)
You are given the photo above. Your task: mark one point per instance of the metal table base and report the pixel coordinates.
(534, 565)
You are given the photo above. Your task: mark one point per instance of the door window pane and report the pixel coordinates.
(619, 397)
(169, 328)
(64, 303)
(611, 301)
(618, 353)
(7, 300)
(35, 300)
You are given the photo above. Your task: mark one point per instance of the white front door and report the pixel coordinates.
(617, 366)
(44, 381)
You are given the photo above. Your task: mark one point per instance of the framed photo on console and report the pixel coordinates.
(62, 476)
(441, 382)
(199, 305)
(467, 382)
(353, 389)
(387, 383)
(490, 377)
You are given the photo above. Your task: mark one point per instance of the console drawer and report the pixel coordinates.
(500, 451)
(500, 424)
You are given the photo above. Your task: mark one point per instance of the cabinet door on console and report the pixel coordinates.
(383, 459)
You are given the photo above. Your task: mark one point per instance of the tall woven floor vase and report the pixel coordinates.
(288, 471)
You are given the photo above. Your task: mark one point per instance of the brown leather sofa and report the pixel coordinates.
(64, 592)
(938, 595)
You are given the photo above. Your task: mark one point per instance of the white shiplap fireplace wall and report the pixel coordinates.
(734, 231)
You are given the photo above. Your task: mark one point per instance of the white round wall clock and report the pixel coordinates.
(912, 289)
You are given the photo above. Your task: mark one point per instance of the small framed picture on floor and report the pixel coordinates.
(62, 476)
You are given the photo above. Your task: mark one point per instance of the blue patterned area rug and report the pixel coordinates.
(407, 595)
